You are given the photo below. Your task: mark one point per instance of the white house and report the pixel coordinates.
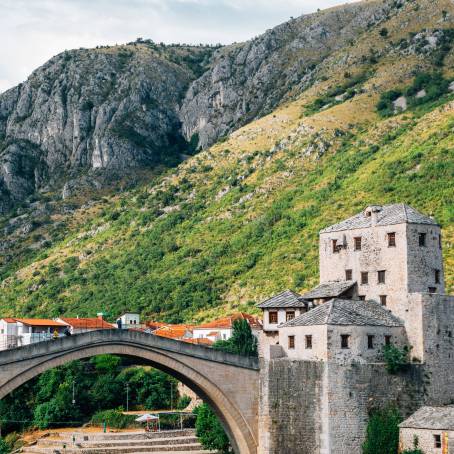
(8, 333)
(222, 328)
(129, 320)
(31, 330)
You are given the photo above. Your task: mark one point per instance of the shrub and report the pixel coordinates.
(415, 449)
(242, 342)
(395, 358)
(382, 434)
(209, 430)
(114, 418)
(4, 448)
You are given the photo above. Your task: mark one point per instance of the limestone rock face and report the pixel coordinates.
(104, 110)
(248, 80)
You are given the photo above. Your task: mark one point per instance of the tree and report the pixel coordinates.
(242, 342)
(209, 430)
(382, 435)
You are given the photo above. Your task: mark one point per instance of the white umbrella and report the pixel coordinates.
(146, 417)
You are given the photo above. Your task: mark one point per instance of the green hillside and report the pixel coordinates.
(239, 221)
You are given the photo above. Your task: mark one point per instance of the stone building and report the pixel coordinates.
(381, 282)
(342, 331)
(432, 428)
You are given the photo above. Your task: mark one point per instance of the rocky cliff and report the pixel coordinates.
(249, 80)
(106, 109)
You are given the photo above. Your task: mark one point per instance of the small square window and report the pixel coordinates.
(422, 239)
(364, 277)
(290, 315)
(335, 247)
(345, 341)
(388, 340)
(383, 300)
(437, 276)
(370, 342)
(272, 317)
(381, 277)
(432, 289)
(392, 239)
(362, 297)
(309, 341)
(358, 242)
(437, 441)
(291, 342)
(348, 275)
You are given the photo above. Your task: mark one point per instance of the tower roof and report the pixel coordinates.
(288, 298)
(385, 215)
(347, 312)
(330, 289)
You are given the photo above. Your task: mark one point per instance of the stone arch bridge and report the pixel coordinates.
(229, 383)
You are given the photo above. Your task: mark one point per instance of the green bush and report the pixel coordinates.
(382, 434)
(210, 431)
(4, 448)
(416, 449)
(114, 419)
(396, 359)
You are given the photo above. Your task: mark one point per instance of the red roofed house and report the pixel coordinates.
(82, 325)
(31, 330)
(177, 332)
(222, 328)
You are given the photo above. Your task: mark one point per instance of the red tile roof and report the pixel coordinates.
(202, 341)
(40, 322)
(227, 322)
(173, 331)
(8, 320)
(155, 325)
(87, 323)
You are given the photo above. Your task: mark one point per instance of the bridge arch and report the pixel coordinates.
(227, 382)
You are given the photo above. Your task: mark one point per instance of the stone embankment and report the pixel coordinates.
(175, 441)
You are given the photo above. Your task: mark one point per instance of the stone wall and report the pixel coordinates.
(426, 440)
(323, 408)
(290, 406)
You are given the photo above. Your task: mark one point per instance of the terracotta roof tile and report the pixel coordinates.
(9, 320)
(39, 322)
(227, 322)
(87, 323)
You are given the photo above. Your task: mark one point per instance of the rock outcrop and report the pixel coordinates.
(101, 110)
(249, 80)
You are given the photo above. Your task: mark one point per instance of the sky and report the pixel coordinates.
(32, 31)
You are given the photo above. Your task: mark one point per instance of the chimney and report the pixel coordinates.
(100, 315)
(372, 212)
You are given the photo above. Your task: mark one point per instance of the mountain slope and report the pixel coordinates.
(239, 221)
(104, 111)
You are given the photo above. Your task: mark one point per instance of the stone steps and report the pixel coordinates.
(179, 441)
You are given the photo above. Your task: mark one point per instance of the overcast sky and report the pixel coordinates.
(32, 31)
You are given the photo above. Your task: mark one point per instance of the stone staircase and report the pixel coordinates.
(175, 441)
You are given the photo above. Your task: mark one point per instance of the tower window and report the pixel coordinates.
(381, 277)
(437, 276)
(308, 341)
(348, 275)
(357, 242)
(383, 300)
(272, 317)
(364, 277)
(439, 241)
(437, 441)
(290, 315)
(362, 297)
(432, 289)
(392, 239)
(422, 239)
(291, 342)
(387, 340)
(370, 342)
(345, 341)
(335, 247)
